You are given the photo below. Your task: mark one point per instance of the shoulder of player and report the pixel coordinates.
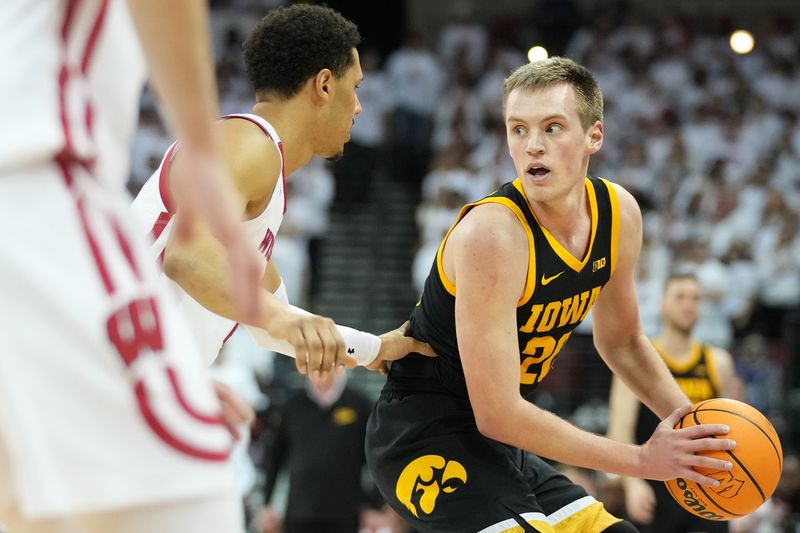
(720, 356)
(492, 227)
(630, 227)
(252, 158)
(629, 210)
(488, 241)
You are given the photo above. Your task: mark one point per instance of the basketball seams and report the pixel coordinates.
(778, 454)
(757, 420)
(702, 489)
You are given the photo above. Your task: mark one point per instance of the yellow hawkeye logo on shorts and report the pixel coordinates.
(424, 479)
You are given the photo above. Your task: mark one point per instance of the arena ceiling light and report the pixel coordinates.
(742, 41)
(537, 53)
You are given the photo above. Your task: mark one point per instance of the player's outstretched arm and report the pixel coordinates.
(640, 499)
(175, 39)
(362, 348)
(617, 328)
(483, 253)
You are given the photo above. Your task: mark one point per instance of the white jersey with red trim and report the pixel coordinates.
(154, 209)
(103, 402)
(73, 71)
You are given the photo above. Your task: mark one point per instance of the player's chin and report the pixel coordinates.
(335, 157)
(335, 153)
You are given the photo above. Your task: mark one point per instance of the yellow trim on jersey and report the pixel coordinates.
(530, 282)
(675, 366)
(563, 253)
(612, 196)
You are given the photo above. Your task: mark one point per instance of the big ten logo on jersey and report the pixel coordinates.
(267, 244)
(597, 265)
(541, 350)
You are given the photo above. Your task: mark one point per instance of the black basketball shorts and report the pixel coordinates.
(438, 472)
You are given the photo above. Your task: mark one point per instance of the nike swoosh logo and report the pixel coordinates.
(546, 280)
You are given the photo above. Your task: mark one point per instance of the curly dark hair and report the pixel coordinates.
(291, 44)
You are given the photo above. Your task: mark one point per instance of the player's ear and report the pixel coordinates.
(323, 84)
(595, 137)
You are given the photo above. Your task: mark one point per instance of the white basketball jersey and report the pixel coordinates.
(154, 211)
(73, 72)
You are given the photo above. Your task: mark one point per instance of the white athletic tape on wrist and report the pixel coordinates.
(361, 346)
(280, 294)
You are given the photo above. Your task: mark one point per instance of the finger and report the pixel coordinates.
(334, 346)
(350, 362)
(675, 416)
(697, 477)
(710, 444)
(229, 418)
(704, 430)
(235, 408)
(710, 463)
(424, 348)
(340, 350)
(300, 351)
(314, 346)
(244, 411)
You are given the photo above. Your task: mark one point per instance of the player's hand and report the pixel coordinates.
(640, 500)
(201, 189)
(395, 345)
(318, 345)
(267, 520)
(671, 453)
(236, 412)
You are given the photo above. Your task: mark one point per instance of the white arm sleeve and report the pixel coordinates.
(362, 346)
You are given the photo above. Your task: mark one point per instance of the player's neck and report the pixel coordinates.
(677, 344)
(288, 121)
(567, 218)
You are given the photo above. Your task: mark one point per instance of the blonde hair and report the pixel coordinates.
(556, 70)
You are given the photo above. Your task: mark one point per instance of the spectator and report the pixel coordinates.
(320, 442)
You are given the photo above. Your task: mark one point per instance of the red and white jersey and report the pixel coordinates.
(153, 209)
(73, 71)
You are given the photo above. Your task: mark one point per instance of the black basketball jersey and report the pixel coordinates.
(697, 377)
(559, 291)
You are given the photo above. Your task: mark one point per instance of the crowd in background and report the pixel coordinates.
(706, 140)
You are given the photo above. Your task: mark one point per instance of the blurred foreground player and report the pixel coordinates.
(108, 420)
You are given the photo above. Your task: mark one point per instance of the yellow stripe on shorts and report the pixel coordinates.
(585, 515)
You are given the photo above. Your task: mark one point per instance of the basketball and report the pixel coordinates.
(757, 462)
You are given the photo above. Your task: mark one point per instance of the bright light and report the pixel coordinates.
(742, 41)
(537, 53)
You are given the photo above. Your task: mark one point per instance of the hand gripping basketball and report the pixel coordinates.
(757, 461)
